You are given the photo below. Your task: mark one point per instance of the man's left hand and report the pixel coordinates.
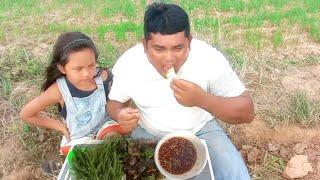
(187, 93)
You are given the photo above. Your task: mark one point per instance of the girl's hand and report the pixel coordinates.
(65, 131)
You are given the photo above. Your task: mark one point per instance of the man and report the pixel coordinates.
(205, 88)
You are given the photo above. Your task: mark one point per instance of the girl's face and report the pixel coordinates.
(81, 67)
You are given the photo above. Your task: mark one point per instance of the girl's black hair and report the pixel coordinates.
(66, 43)
(165, 19)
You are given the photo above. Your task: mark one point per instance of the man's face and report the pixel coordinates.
(166, 51)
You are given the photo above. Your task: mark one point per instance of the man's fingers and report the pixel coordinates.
(132, 110)
(130, 123)
(132, 116)
(181, 84)
(178, 97)
(175, 89)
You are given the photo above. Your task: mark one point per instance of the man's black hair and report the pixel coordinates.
(165, 19)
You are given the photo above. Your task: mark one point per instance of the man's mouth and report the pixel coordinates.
(170, 73)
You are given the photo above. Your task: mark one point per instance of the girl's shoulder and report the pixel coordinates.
(53, 92)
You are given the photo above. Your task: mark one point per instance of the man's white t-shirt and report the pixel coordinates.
(135, 78)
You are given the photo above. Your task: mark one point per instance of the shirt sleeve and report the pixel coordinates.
(119, 89)
(227, 83)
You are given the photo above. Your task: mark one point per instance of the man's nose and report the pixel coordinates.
(169, 58)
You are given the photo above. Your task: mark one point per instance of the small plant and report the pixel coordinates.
(5, 84)
(236, 58)
(254, 38)
(125, 7)
(277, 39)
(300, 107)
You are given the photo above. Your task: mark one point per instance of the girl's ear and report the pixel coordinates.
(61, 69)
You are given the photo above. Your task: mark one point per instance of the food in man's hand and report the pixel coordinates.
(170, 74)
(177, 155)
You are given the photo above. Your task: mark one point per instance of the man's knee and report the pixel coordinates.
(229, 165)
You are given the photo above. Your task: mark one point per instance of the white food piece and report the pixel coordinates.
(171, 74)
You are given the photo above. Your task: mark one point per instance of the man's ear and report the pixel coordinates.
(190, 39)
(61, 69)
(145, 46)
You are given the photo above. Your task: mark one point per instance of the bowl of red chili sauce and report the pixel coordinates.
(180, 155)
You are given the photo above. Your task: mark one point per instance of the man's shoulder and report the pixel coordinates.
(133, 52)
(200, 44)
(202, 51)
(130, 59)
(200, 47)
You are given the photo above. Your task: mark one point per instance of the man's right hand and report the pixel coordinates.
(128, 118)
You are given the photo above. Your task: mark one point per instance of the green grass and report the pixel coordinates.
(206, 23)
(2, 35)
(190, 6)
(235, 20)
(277, 39)
(271, 167)
(120, 30)
(6, 86)
(236, 58)
(312, 6)
(254, 39)
(125, 7)
(255, 20)
(300, 107)
(274, 17)
(232, 5)
(296, 15)
(109, 55)
(58, 27)
(314, 30)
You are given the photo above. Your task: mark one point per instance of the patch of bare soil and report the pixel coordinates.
(306, 79)
(22, 152)
(297, 46)
(257, 142)
(259, 132)
(19, 163)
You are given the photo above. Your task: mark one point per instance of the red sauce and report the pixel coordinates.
(177, 155)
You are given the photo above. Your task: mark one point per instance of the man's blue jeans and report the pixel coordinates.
(226, 161)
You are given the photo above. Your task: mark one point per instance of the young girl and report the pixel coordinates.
(79, 88)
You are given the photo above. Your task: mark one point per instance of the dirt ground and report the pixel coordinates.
(256, 141)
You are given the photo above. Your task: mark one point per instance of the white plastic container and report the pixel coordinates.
(206, 173)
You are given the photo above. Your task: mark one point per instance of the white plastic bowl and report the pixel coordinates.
(201, 155)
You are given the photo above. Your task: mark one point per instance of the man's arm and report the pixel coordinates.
(126, 116)
(234, 110)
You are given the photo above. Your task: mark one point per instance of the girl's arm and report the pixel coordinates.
(31, 112)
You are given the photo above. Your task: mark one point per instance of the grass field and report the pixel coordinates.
(274, 46)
